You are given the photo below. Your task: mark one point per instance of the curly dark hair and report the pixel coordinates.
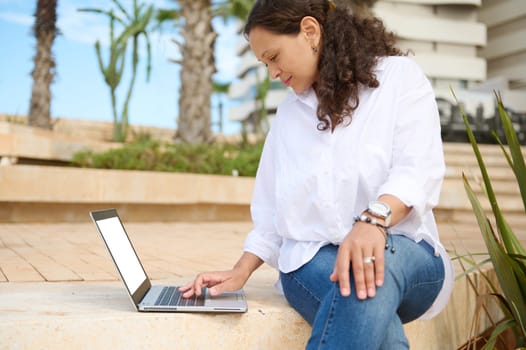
(350, 49)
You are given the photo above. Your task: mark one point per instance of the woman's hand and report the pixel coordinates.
(364, 241)
(223, 281)
(217, 282)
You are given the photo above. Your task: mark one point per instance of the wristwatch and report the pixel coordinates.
(380, 210)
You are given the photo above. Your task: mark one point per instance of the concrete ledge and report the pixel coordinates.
(45, 212)
(45, 193)
(20, 142)
(24, 183)
(100, 315)
(44, 145)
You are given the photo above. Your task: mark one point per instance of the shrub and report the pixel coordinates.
(144, 153)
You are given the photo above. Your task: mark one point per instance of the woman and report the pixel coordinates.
(349, 174)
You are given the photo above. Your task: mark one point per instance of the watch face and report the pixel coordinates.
(379, 208)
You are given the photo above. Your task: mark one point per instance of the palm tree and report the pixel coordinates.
(44, 71)
(197, 68)
(198, 62)
(194, 19)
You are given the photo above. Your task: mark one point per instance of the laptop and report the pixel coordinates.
(144, 295)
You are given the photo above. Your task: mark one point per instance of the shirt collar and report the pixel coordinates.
(307, 97)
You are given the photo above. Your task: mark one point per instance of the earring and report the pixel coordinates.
(315, 49)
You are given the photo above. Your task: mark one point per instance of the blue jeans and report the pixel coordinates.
(413, 279)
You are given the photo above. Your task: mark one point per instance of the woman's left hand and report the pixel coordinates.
(365, 242)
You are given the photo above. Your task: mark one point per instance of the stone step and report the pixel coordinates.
(506, 187)
(466, 148)
(464, 222)
(461, 156)
(454, 196)
(504, 174)
(469, 160)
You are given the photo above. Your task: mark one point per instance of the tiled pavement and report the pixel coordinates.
(75, 252)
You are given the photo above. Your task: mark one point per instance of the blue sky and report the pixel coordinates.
(79, 91)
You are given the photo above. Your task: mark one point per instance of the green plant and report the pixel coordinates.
(145, 153)
(505, 251)
(134, 28)
(15, 119)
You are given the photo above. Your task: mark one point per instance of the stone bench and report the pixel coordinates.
(99, 315)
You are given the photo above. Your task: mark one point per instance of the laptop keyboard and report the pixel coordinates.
(171, 296)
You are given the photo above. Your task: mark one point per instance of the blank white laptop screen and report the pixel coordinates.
(123, 253)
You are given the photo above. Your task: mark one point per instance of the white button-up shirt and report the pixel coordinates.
(310, 183)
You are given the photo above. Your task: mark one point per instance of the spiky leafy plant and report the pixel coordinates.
(506, 253)
(134, 25)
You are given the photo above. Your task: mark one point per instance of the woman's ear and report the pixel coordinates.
(310, 27)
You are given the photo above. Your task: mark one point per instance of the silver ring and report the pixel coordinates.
(369, 259)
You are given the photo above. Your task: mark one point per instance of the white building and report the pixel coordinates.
(505, 50)
(472, 46)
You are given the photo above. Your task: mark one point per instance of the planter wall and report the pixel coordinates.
(51, 194)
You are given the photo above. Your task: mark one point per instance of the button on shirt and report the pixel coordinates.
(310, 183)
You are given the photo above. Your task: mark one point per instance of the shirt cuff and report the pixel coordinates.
(265, 246)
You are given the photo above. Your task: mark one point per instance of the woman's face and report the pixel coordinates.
(290, 58)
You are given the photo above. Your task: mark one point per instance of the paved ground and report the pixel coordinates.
(75, 252)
